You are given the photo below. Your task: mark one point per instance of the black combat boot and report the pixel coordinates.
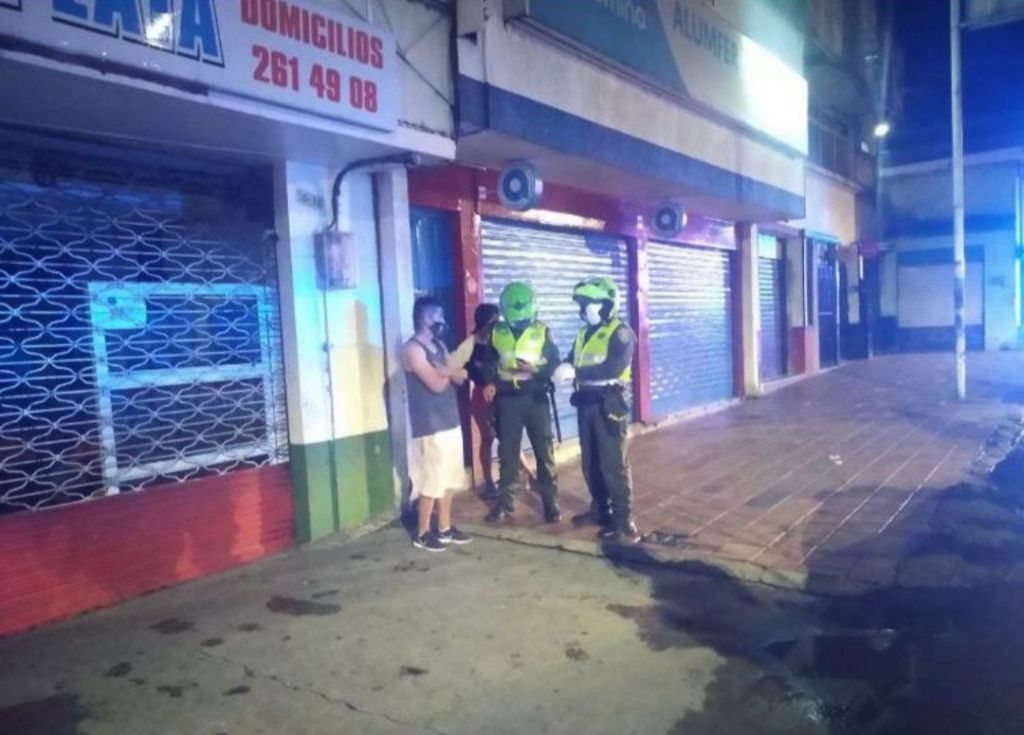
(592, 517)
(627, 534)
(551, 512)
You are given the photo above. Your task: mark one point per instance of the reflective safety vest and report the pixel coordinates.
(529, 348)
(594, 351)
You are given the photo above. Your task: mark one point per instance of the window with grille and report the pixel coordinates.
(139, 327)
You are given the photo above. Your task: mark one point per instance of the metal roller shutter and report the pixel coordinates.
(926, 295)
(553, 261)
(141, 338)
(773, 318)
(691, 313)
(828, 308)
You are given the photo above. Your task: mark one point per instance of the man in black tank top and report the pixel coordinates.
(436, 464)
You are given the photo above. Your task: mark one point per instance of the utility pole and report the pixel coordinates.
(959, 259)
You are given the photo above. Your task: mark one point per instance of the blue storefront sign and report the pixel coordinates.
(683, 47)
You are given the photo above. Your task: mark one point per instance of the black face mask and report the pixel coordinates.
(438, 329)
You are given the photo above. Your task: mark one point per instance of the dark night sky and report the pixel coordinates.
(993, 78)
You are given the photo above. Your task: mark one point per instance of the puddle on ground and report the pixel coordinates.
(118, 670)
(325, 593)
(411, 566)
(176, 691)
(575, 652)
(663, 627)
(172, 626)
(57, 715)
(297, 607)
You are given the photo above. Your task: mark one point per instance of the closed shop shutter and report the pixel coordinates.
(691, 327)
(143, 343)
(926, 295)
(141, 346)
(828, 307)
(553, 261)
(773, 318)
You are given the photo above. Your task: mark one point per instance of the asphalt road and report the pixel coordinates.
(373, 636)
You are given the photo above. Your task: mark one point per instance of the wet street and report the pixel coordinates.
(499, 637)
(537, 632)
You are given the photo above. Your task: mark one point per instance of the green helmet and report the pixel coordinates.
(518, 303)
(601, 288)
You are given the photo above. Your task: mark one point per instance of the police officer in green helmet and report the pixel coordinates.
(517, 376)
(601, 363)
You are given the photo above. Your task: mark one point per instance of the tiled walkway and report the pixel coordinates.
(836, 475)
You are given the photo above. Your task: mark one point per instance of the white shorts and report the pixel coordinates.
(436, 465)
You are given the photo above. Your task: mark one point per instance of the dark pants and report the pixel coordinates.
(513, 413)
(603, 421)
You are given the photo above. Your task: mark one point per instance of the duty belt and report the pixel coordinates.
(613, 383)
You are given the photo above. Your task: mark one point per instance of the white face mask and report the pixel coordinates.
(592, 314)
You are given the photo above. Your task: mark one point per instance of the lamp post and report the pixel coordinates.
(959, 260)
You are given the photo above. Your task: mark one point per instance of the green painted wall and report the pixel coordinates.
(358, 487)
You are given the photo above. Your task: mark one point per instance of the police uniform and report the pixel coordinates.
(602, 357)
(521, 403)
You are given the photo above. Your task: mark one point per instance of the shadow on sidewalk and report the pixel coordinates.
(938, 650)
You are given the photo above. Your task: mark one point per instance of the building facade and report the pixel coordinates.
(213, 228)
(916, 296)
(196, 362)
(622, 109)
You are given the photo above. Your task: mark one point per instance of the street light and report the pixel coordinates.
(882, 129)
(959, 261)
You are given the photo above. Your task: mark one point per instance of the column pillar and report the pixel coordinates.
(397, 299)
(639, 287)
(750, 306)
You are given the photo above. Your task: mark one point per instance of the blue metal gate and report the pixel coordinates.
(553, 262)
(828, 307)
(139, 325)
(432, 270)
(691, 327)
(771, 285)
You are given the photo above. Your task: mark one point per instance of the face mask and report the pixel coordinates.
(592, 314)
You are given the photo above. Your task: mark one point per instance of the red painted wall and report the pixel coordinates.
(66, 560)
(803, 350)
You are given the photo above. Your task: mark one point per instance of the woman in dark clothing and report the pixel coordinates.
(473, 353)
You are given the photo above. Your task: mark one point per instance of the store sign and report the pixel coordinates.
(686, 49)
(301, 55)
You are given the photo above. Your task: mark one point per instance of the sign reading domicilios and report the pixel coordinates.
(294, 53)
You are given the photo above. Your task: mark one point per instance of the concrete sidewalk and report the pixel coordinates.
(830, 484)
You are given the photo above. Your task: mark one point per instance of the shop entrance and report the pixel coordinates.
(142, 343)
(828, 306)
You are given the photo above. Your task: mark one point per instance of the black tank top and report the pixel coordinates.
(430, 412)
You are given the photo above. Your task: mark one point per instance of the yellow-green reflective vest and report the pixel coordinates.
(529, 347)
(594, 351)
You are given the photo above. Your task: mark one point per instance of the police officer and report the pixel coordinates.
(520, 369)
(601, 361)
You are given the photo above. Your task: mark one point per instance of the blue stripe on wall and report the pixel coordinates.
(486, 107)
(975, 254)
